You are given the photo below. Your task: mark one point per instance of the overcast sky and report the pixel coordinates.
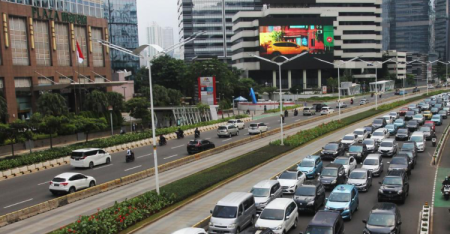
(163, 12)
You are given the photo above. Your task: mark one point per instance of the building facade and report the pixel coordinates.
(330, 30)
(38, 54)
(159, 36)
(214, 17)
(441, 28)
(398, 67)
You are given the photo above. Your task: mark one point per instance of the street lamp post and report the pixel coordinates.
(427, 70)
(137, 53)
(110, 108)
(279, 64)
(446, 69)
(296, 98)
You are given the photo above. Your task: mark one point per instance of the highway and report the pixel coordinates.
(27, 190)
(421, 188)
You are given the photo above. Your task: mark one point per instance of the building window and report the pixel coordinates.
(80, 37)
(65, 80)
(45, 81)
(84, 79)
(42, 43)
(62, 44)
(97, 48)
(19, 41)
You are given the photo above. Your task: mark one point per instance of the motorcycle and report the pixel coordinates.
(163, 142)
(129, 158)
(295, 113)
(197, 135)
(180, 135)
(433, 141)
(446, 191)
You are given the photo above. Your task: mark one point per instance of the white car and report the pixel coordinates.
(291, 180)
(190, 230)
(363, 101)
(257, 128)
(341, 104)
(348, 140)
(70, 183)
(394, 115)
(89, 157)
(361, 134)
(349, 163)
(388, 119)
(237, 123)
(420, 140)
(371, 144)
(280, 215)
(380, 134)
(326, 110)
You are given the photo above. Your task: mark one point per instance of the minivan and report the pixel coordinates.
(264, 192)
(233, 213)
(227, 131)
(326, 221)
(89, 157)
(309, 111)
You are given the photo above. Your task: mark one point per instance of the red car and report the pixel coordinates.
(403, 111)
(430, 124)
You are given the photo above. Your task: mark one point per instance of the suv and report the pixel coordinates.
(388, 147)
(264, 192)
(363, 101)
(412, 125)
(326, 110)
(348, 140)
(361, 134)
(361, 178)
(420, 140)
(410, 146)
(310, 197)
(257, 128)
(89, 157)
(332, 175)
(309, 111)
(358, 151)
(227, 131)
(344, 199)
(237, 122)
(400, 163)
(369, 130)
(326, 221)
(332, 150)
(318, 107)
(384, 217)
(410, 115)
(395, 187)
(310, 166)
(402, 134)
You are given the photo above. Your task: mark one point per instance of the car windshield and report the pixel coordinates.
(272, 214)
(434, 109)
(386, 144)
(260, 192)
(442, 112)
(358, 132)
(253, 125)
(393, 114)
(342, 161)
(57, 179)
(355, 149)
(329, 172)
(425, 129)
(306, 163)
(408, 146)
(412, 123)
(402, 130)
(222, 128)
(358, 175)
(416, 138)
(226, 212)
(436, 118)
(399, 160)
(427, 112)
(399, 121)
(348, 138)
(378, 134)
(288, 176)
(339, 197)
(193, 142)
(410, 113)
(390, 127)
(369, 129)
(319, 230)
(370, 161)
(392, 180)
(405, 153)
(418, 116)
(381, 220)
(306, 191)
(331, 147)
(231, 121)
(378, 121)
(77, 154)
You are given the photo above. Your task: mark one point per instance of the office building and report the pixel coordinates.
(396, 68)
(122, 23)
(168, 40)
(386, 16)
(162, 36)
(441, 29)
(213, 16)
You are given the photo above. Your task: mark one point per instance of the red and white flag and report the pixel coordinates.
(79, 54)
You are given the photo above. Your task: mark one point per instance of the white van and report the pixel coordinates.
(420, 140)
(89, 157)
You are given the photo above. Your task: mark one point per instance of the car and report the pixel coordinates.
(345, 199)
(349, 163)
(70, 182)
(311, 165)
(199, 145)
(430, 124)
(434, 110)
(326, 110)
(341, 105)
(419, 118)
(430, 86)
(310, 197)
(416, 110)
(369, 130)
(409, 154)
(410, 146)
(424, 106)
(332, 175)
(264, 192)
(374, 163)
(392, 129)
(383, 218)
(437, 119)
(190, 230)
(439, 106)
(447, 109)
(361, 134)
(379, 123)
(257, 128)
(318, 106)
(438, 86)
(402, 92)
(361, 178)
(227, 131)
(402, 163)
(420, 140)
(325, 221)
(388, 147)
(412, 125)
(394, 115)
(358, 151)
(427, 132)
(402, 134)
(291, 180)
(409, 114)
(371, 144)
(363, 101)
(394, 187)
(411, 106)
(285, 48)
(280, 215)
(348, 140)
(89, 157)
(388, 119)
(432, 103)
(380, 134)
(443, 113)
(427, 114)
(332, 150)
(402, 111)
(309, 111)
(416, 90)
(400, 123)
(237, 122)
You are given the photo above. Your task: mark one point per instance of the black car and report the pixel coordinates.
(369, 130)
(326, 221)
(384, 218)
(434, 110)
(402, 134)
(197, 146)
(410, 146)
(400, 163)
(416, 90)
(358, 151)
(310, 197)
(412, 125)
(379, 123)
(411, 156)
(395, 187)
(409, 115)
(332, 175)
(318, 107)
(332, 150)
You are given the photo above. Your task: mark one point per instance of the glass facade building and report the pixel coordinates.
(91, 8)
(441, 28)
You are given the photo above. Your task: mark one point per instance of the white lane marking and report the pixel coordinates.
(18, 203)
(102, 167)
(44, 183)
(227, 139)
(171, 156)
(177, 146)
(246, 134)
(297, 120)
(133, 168)
(145, 155)
(208, 138)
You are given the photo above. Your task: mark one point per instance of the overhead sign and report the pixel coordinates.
(207, 90)
(49, 14)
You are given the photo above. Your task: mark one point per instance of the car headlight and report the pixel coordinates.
(278, 228)
(334, 181)
(211, 224)
(327, 207)
(231, 226)
(322, 152)
(400, 191)
(311, 170)
(347, 208)
(335, 152)
(380, 190)
(311, 203)
(256, 226)
(292, 186)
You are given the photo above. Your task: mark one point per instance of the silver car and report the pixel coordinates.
(265, 192)
(361, 178)
(309, 111)
(374, 163)
(227, 131)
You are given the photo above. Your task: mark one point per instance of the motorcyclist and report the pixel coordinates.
(351, 101)
(162, 139)
(180, 132)
(295, 112)
(445, 182)
(130, 153)
(286, 113)
(197, 133)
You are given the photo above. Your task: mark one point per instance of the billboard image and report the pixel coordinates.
(296, 39)
(207, 90)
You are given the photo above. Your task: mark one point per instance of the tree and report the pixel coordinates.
(138, 108)
(52, 104)
(202, 108)
(3, 108)
(410, 79)
(50, 125)
(332, 83)
(96, 101)
(116, 100)
(88, 125)
(10, 134)
(270, 90)
(168, 72)
(174, 97)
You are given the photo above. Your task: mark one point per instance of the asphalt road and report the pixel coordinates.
(27, 190)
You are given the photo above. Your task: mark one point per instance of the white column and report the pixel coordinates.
(274, 79)
(289, 79)
(319, 77)
(304, 79)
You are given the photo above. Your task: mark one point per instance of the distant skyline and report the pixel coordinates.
(164, 13)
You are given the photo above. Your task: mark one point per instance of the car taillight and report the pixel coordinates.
(198, 144)
(83, 157)
(51, 183)
(64, 184)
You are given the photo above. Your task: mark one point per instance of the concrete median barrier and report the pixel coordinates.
(15, 171)
(39, 166)
(7, 173)
(53, 163)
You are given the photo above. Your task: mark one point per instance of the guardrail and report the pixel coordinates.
(439, 146)
(425, 215)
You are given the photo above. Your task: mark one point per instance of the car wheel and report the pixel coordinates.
(72, 190)
(92, 184)
(238, 230)
(91, 165)
(108, 160)
(252, 222)
(295, 223)
(229, 135)
(237, 133)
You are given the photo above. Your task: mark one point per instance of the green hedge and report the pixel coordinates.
(58, 152)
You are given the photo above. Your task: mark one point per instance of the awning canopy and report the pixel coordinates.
(75, 85)
(240, 99)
